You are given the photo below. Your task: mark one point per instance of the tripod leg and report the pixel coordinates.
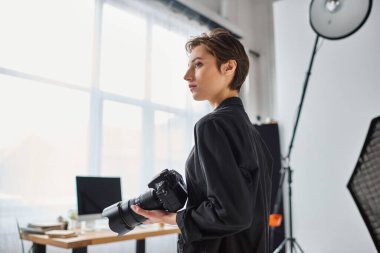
(298, 246)
(282, 245)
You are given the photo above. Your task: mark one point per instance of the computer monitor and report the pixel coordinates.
(94, 194)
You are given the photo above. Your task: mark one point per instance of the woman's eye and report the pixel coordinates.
(198, 65)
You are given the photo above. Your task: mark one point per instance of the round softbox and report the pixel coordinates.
(337, 19)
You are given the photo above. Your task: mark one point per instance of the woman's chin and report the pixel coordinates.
(196, 97)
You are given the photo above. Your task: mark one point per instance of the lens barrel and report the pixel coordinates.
(148, 201)
(121, 217)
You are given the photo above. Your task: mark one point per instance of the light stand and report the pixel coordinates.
(287, 169)
(330, 19)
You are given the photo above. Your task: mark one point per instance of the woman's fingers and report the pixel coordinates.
(140, 211)
(155, 216)
(146, 213)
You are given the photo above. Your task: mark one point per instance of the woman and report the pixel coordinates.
(228, 172)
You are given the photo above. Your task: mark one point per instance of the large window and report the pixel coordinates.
(122, 146)
(124, 52)
(49, 38)
(89, 87)
(170, 63)
(170, 147)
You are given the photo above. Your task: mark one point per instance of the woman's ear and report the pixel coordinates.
(229, 67)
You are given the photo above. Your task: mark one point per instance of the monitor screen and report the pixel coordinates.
(96, 193)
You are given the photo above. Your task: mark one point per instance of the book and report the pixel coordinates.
(41, 228)
(29, 230)
(48, 226)
(60, 233)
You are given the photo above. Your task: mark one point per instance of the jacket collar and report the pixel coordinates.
(228, 102)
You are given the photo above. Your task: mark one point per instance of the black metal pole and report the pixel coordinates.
(303, 96)
(287, 169)
(290, 208)
(276, 206)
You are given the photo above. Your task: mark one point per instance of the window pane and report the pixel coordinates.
(169, 63)
(50, 38)
(171, 148)
(123, 53)
(43, 139)
(122, 145)
(44, 145)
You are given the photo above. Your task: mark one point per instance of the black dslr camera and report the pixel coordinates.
(168, 192)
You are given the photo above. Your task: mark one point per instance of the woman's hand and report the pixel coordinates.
(155, 216)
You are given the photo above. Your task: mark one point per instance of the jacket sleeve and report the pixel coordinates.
(231, 190)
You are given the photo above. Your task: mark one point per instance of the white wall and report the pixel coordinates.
(342, 98)
(255, 18)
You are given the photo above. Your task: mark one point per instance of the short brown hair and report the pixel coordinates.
(224, 46)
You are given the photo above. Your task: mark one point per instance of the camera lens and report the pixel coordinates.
(122, 218)
(148, 201)
(115, 222)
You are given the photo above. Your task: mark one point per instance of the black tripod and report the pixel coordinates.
(290, 238)
(286, 169)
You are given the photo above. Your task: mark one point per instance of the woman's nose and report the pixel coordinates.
(188, 75)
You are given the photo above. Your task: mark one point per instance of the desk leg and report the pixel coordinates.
(140, 246)
(80, 250)
(38, 248)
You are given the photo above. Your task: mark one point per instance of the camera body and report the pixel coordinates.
(167, 192)
(170, 190)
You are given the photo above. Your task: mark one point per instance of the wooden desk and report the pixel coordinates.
(79, 243)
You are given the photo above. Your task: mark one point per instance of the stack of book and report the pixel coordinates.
(61, 233)
(41, 228)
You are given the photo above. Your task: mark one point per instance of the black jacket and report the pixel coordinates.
(228, 176)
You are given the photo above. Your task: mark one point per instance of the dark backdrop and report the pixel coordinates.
(270, 135)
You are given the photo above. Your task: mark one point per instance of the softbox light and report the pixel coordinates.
(364, 183)
(337, 19)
